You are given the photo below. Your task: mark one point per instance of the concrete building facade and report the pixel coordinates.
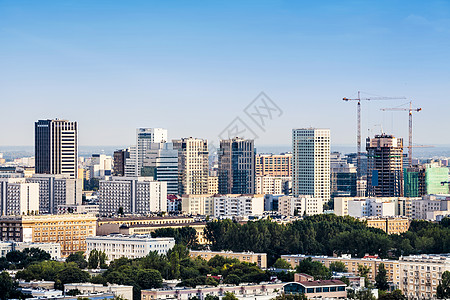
(17, 197)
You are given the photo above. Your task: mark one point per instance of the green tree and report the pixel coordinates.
(78, 258)
(232, 279)
(381, 280)
(149, 279)
(282, 264)
(229, 296)
(102, 260)
(7, 286)
(73, 292)
(212, 281)
(365, 295)
(174, 261)
(443, 289)
(211, 297)
(314, 268)
(363, 271)
(93, 260)
(395, 295)
(338, 266)
(345, 280)
(73, 274)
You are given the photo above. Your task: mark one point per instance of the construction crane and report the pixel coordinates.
(358, 124)
(410, 110)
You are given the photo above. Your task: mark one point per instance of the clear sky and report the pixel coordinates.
(193, 66)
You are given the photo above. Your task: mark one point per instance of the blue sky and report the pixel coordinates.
(193, 66)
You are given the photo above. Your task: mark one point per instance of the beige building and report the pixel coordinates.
(260, 259)
(213, 185)
(272, 185)
(198, 204)
(279, 165)
(391, 225)
(70, 231)
(392, 266)
(421, 274)
(193, 166)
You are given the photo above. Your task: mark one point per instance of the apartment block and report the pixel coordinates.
(272, 185)
(135, 246)
(213, 185)
(70, 231)
(299, 206)
(17, 197)
(371, 207)
(56, 190)
(276, 165)
(135, 195)
(198, 204)
(193, 166)
(311, 162)
(390, 225)
(123, 291)
(238, 205)
(260, 259)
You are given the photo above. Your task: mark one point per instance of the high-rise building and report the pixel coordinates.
(279, 165)
(311, 162)
(144, 138)
(192, 166)
(56, 147)
(132, 195)
(343, 177)
(436, 178)
(120, 158)
(18, 197)
(384, 166)
(414, 181)
(161, 162)
(237, 166)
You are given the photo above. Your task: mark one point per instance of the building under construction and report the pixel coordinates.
(384, 166)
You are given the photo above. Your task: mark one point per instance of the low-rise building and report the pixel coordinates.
(299, 206)
(134, 246)
(70, 230)
(390, 225)
(255, 291)
(260, 259)
(198, 204)
(124, 291)
(319, 289)
(78, 209)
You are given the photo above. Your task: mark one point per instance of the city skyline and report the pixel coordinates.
(161, 65)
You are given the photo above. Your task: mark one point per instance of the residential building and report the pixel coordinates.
(123, 291)
(198, 204)
(120, 158)
(351, 263)
(134, 195)
(421, 274)
(54, 249)
(18, 197)
(390, 225)
(260, 259)
(385, 166)
(255, 291)
(56, 147)
(70, 231)
(144, 138)
(238, 205)
(299, 206)
(161, 162)
(213, 185)
(193, 168)
(371, 207)
(311, 162)
(129, 246)
(272, 185)
(236, 166)
(55, 190)
(79, 209)
(276, 165)
(343, 177)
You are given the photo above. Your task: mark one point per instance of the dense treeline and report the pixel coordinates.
(327, 235)
(186, 235)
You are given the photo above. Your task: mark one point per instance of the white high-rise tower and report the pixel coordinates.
(311, 162)
(144, 138)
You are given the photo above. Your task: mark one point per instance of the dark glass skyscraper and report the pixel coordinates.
(56, 147)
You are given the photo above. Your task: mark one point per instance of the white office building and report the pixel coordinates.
(18, 197)
(301, 205)
(129, 246)
(135, 195)
(371, 207)
(311, 162)
(56, 190)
